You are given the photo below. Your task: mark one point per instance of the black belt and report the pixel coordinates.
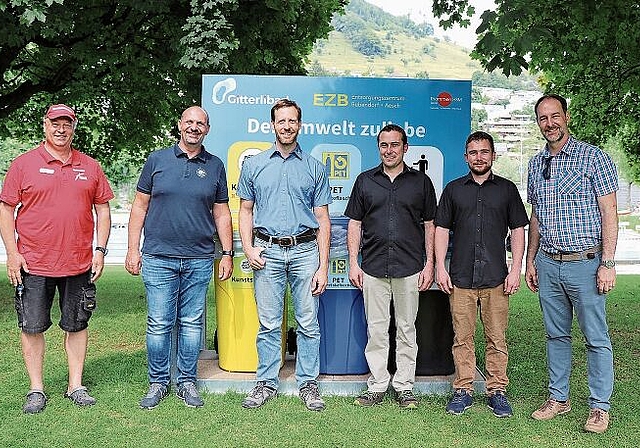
(287, 241)
(587, 254)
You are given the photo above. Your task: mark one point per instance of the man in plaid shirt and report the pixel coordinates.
(572, 241)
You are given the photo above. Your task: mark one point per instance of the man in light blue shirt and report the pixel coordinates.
(285, 231)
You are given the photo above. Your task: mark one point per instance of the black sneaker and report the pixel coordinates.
(406, 399)
(369, 398)
(259, 395)
(461, 401)
(188, 393)
(310, 395)
(155, 394)
(499, 404)
(35, 402)
(80, 397)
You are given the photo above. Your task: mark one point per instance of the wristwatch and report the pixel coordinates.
(104, 250)
(228, 252)
(608, 264)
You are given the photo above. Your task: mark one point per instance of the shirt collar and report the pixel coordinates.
(469, 178)
(48, 158)
(296, 152)
(568, 148)
(380, 169)
(202, 155)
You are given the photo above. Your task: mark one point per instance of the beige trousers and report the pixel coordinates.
(378, 293)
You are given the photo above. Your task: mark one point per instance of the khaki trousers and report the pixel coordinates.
(378, 293)
(494, 311)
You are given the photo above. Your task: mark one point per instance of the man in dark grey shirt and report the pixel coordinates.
(391, 208)
(480, 208)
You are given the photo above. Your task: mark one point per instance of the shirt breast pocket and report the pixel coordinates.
(573, 184)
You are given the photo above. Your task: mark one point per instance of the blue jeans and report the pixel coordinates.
(176, 295)
(566, 286)
(296, 266)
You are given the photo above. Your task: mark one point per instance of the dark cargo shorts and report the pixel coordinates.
(34, 308)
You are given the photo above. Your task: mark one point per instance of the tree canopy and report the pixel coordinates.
(586, 51)
(130, 67)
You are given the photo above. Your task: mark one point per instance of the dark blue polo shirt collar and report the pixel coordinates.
(202, 156)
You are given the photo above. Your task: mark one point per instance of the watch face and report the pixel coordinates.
(608, 264)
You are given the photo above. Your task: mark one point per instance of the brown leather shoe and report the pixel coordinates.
(550, 409)
(598, 421)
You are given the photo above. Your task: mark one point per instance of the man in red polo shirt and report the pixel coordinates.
(48, 201)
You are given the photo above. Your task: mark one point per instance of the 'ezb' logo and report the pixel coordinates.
(330, 99)
(337, 163)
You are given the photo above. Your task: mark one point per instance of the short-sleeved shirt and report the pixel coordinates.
(179, 221)
(284, 191)
(55, 220)
(479, 216)
(392, 216)
(567, 203)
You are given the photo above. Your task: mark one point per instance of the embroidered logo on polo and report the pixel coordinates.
(80, 175)
(200, 172)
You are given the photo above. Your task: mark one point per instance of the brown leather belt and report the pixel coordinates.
(587, 254)
(288, 241)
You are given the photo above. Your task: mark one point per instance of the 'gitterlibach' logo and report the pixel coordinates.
(222, 89)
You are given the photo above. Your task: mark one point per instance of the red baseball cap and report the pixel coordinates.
(60, 110)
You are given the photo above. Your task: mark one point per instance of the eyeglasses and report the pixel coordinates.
(64, 126)
(546, 171)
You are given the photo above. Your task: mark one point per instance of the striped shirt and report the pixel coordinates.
(567, 203)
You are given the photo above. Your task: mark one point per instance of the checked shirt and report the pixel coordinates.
(567, 203)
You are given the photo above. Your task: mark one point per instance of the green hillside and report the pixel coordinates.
(386, 47)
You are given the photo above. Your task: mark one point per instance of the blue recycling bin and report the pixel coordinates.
(343, 330)
(343, 326)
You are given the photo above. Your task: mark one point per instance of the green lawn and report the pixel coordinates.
(116, 373)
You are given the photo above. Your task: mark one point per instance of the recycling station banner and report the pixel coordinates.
(341, 118)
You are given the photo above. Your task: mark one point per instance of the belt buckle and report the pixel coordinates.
(286, 241)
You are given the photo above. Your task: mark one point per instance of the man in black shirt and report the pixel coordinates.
(480, 208)
(391, 208)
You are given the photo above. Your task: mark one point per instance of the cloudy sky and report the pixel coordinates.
(420, 11)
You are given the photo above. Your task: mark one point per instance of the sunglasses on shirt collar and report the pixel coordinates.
(546, 171)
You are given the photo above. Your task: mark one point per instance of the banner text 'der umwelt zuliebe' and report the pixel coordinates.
(341, 118)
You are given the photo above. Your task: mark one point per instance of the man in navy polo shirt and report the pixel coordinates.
(181, 202)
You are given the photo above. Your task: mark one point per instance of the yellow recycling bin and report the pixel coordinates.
(237, 317)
